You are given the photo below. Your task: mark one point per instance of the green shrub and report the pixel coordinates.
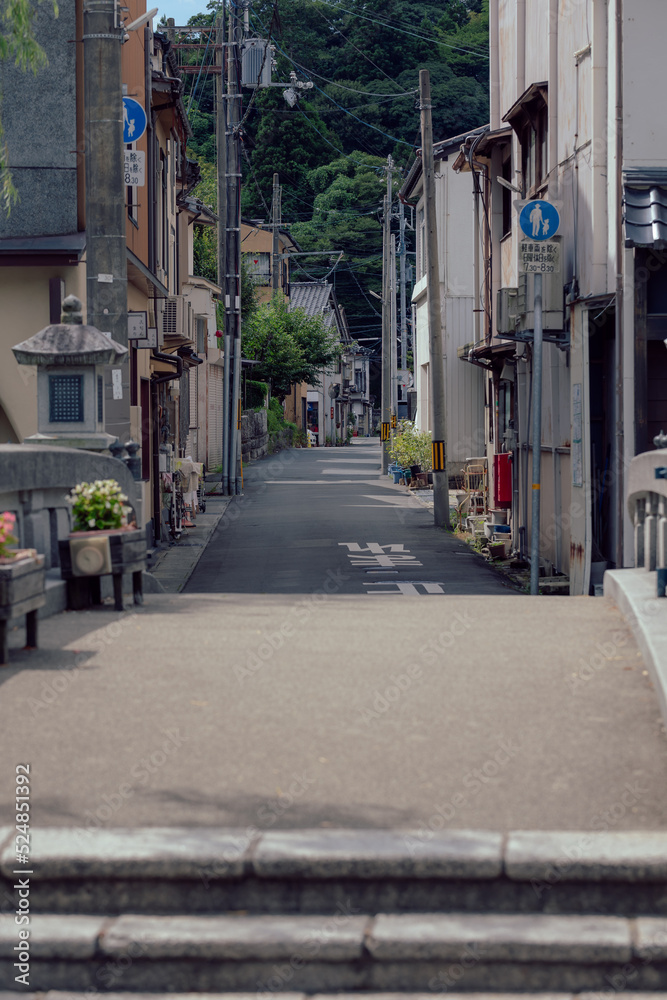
(255, 395)
(411, 447)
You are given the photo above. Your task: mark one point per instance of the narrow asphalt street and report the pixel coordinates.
(336, 661)
(321, 517)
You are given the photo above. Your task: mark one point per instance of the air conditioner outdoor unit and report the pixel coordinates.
(507, 310)
(173, 316)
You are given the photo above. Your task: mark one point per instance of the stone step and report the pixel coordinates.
(58, 995)
(343, 953)
(173, 870)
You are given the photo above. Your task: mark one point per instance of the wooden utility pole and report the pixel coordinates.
(275, 225)
(436, 353)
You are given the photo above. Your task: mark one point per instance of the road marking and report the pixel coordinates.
(406, 588)
(394, 501)
(377, 555)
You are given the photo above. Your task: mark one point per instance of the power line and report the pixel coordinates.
(394, 27)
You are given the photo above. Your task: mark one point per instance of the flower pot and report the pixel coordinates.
(21, 593)
(414, 469)
(87, 555)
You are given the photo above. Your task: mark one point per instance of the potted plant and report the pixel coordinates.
(21, 585)
(102, 543)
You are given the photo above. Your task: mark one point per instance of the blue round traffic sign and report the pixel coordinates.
(539, 220)
(134, 120)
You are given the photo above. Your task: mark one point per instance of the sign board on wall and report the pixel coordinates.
(139, 334)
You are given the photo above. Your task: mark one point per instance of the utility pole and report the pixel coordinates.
(403, 340)
(394, 330)
(275, 225)
(386, 324)
(106, 255)
(233, 251)
(537, 440)
(221, 148)
(436, 353)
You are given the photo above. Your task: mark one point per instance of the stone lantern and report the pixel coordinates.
(70, 359)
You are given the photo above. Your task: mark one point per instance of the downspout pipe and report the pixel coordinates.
(618, 316)
(494, 46)
(170, 359)
(520, 48)
(553, 99)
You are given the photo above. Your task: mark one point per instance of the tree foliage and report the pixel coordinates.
(290, 346)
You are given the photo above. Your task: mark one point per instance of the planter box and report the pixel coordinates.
(21, 593)
(113, 552)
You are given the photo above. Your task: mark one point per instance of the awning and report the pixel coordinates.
(645, 208)
(42, 251)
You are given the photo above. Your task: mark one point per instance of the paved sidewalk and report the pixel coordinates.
(173, 566)
(294, 711)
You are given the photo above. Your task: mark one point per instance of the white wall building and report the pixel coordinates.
(464, 385)
(573, 121)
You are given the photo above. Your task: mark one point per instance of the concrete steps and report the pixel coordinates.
(207, 911)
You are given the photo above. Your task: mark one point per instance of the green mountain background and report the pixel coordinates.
(330, 149)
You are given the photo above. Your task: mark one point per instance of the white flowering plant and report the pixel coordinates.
(98, 506)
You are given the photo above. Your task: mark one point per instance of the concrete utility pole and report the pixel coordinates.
(436, 353)
(403, 342)
(221, 155)
(275, 225)
(106, 259)
(385, 426)
(394, 329)
(537, 440)
(233, 290)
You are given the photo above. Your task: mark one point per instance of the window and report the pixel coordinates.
(534, 159)
(529, 119)
(259, 266)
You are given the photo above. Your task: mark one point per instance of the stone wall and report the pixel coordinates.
(254, 435)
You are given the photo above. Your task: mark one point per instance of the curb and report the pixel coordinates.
(633, 591)
(175, 565)
(175, 853)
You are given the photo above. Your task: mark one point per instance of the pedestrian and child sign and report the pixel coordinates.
(538, 254)
(539, 220)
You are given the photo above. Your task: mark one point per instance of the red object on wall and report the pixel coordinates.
(332, 412)
(502, 468)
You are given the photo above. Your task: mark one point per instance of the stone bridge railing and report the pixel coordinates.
(34, 481)
(647, 505)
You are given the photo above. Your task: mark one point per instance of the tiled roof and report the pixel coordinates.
(645, 208)
(311, 296)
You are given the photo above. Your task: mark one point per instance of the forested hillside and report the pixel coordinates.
(330, 149)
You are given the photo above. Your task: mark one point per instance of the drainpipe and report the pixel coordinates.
(494, 44)
(520, 47)
(553, 99)
(618, 332)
